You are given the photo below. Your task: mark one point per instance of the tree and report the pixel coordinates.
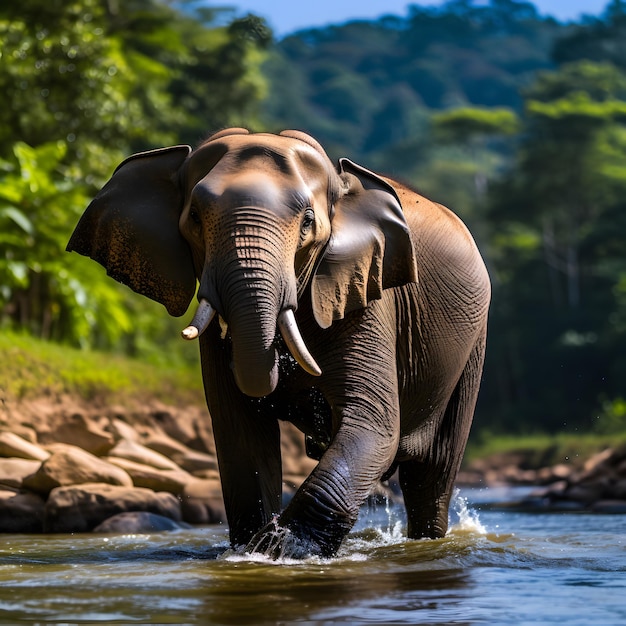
(471, 128)
(598, 40)
(85, 83)
(44, 291)
(557, 270)
(62, 78)
(571, 115)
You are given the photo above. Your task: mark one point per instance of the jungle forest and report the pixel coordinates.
(514, 120)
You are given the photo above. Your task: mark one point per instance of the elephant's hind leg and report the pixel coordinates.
(427, 484)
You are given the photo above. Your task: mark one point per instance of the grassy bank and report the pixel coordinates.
(31, 368)
(541, 450)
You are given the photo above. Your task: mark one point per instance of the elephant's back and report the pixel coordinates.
(443, 244)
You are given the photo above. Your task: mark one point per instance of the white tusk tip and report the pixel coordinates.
(189, 333)
(315, 371)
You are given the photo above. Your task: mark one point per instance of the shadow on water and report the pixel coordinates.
(470, 576)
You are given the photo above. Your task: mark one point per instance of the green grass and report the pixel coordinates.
(31, 368)
(543, 449)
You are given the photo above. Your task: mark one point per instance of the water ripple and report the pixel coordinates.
(491, 568)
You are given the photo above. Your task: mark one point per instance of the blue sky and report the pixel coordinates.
(285, 16)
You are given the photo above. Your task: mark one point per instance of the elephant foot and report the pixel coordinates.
(279, 542)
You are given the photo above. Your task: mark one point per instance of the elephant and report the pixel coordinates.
(329, 296)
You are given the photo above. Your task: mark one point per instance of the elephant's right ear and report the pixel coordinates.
(131, 228)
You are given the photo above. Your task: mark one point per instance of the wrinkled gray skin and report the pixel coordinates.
(390, 296)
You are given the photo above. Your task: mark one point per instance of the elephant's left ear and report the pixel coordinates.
(370, 247)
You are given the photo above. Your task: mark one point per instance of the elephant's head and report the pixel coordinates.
(256, 219)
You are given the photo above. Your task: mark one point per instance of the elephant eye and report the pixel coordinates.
(194, 216)
(308, 220)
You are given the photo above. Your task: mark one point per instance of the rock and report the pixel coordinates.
(470, 478)
(611, 507)
(202, 502)
(193, 461)
(83, 507)
(121, 430)
(25, 431)
(598, 460)
(138, 522)
(179, 429)
(69, 465)
(164, 444)
(172, 481)
(12, 445)
(208, 474)
(553, 474)
(85, 433)
(14, 471)
(555, 490)
(190, 460)
(21, 512)
(586, 494)
(191, 426)
(133, 451)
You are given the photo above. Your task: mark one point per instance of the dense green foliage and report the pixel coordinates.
(514, 120)
(85, 83)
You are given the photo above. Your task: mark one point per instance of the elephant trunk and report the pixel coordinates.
(256, 294)
(255, 360)
(287, 326)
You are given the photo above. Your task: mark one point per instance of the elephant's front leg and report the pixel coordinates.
(327, 505)
(362, 391)
(247, 442)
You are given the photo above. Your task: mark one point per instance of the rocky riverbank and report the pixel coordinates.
(596, 484)
(66, 466)
(72, 466)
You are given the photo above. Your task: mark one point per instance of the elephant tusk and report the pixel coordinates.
(291, 334)
(202, 318)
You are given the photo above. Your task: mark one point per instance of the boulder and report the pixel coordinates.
(202, 503)
(121, 430)
(133, 451)
(599, 461)
(14, 471)
(138, 522)
(207, 474)
(21, 512)
(86, 433)
(12, 445)
(583, 493)
(190, 460)
(194, 461)
(172, 481)
(179, 429)
(69, 465)
(553, 474)
(164, 444)
(81, 508)
(191, 426)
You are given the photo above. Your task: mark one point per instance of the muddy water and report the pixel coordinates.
(492, 568)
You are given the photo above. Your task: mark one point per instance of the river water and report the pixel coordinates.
(493, 567)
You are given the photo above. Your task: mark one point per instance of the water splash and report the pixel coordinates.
(462, 517)
(380, 525)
